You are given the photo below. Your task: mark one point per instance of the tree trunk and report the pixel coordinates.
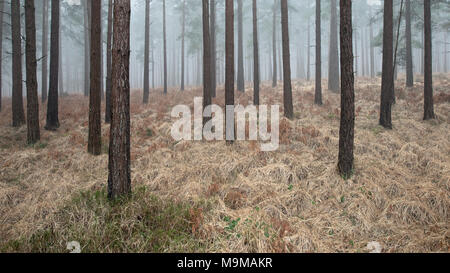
(119, 178)
(60, 64)
(183, 32)
(274, 45)
(428, 89)
(229, 69)
(1, 50)
(95, 126)
(52, 106)
(356, 52)
(146, 53)
(44, 70)
(18, 115)
(165, 46)
(387, 77)
(206, 62)
(318, 94)
(33, 133)
(363, 54)
(308, 68)
(347, 123)
(255, 55)
(108, 64)
(287, 94)
(86, 13)
(333, 72)
(372, 53)
(213, 49)
(409, 58)
(240, 76)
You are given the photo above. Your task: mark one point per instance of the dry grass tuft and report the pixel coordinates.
(214, 197)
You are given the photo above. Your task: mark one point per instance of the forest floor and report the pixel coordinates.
(213, 197)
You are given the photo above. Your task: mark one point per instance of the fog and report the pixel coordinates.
(367, 15)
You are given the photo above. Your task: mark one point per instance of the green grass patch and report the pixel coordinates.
(139, 223)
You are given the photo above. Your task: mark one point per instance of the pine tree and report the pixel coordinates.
(347, 123)
(287, 93)
(33, 133)
(18, 115)
(95, 130)
(428, 88)
(119, 177)
(388, 64)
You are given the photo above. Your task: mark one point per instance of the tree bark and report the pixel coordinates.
(287, 93)
(206, 62)
(387, 77)
(372, 52)
(333, 72)
(146, 53)
(229, 68)
(33, 133)
(183, 32)
(44, 74)
(119, 177)
(108, 64)
(240, 76)
(86, 13)
(213, 49)
(409, 57)
(18, 116)
(95, 126)
(165, 46)
(308, 68)
(347, 123)
(1, 50)
(318, 93)
(255, 55)
(428, 89)
(274, 45)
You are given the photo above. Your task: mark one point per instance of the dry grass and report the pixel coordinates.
(237, 198)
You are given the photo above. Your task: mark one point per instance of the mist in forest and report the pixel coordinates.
(367, 23)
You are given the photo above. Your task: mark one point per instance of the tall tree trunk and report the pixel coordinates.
(44, 69)
(333, 72)
(183, 32)
(347, 123)
(213, 49)
(108, 63)
(153, 65)
(428, 89)
(146, 53)
(363, 54)
(60, 64)
(95, 125)
(206, 62)
(387, 77)
(372, 52)
(308, 68)
(287, 94)
(86, 45)
(274, 45)
(240, 76)
(229, 69)
(165, 46)
(33, 133)
(2, 4)
(255, 55)
(18, 115)
(409, 58)
(119, 177)
(318, 94)
(52, 106)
